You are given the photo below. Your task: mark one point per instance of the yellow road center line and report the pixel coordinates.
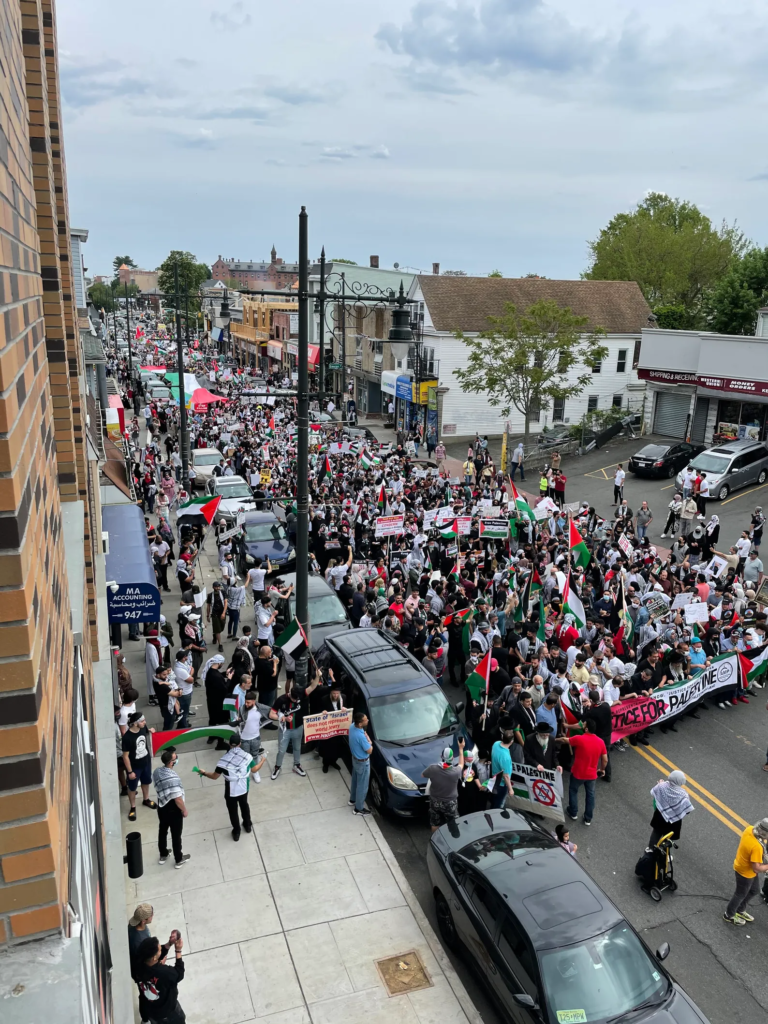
(694, 796)
(696, 785)
(668, 487)
(743, 494)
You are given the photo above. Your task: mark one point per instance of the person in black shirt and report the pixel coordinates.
(137, 758)
(600, 713)
(288, 711)
(158, 983)
(640, 685)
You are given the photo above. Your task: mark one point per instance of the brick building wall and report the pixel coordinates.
(42, 461)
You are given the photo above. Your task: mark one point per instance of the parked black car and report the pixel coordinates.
(546, 940)
(664, 458)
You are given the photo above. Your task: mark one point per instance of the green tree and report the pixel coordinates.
(233, 284)
(191, 276)
(119, 287)
(352, 263)
(670, 248)
(454, 273)
(118, 261)
(525, 360)
(673, 318)
(101, 296)
(732, 305)
(495, 273)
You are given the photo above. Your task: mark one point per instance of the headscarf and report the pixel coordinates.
(242, 645)
(217, 659)
(672, 801)
(713, 522)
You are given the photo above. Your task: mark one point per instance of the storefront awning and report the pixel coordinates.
(314, 354)
(275, 351)
(129, 565)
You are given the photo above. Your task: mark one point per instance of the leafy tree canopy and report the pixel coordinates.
(670, 248)
(118, 261)
(352, 263)
(101, 296)
(495, 273)
(525, 359)
(191, 276)
(454, 273)
(731, 307)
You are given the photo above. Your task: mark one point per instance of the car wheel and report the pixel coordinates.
(761, 478)
(376, 794)
(723, 492)
(445, 923)
(670, 472)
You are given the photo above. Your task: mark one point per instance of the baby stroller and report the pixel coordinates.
(655, 868)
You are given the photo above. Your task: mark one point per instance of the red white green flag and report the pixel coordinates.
(579, 553)
(477, 683)
(203, 505)
(520, 503)
(451, 530)
(572, 603)
(465, 613)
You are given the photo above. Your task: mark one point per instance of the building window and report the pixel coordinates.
(597, 366)
(592, 403)
(558, 410)
(534, 411)
(617, 401)
(621, 361)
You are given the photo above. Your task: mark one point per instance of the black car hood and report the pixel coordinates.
(678, 1009)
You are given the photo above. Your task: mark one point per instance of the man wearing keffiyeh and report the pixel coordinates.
(237, 765)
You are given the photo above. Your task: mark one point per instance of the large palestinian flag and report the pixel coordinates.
(204, 505)
(572, 603)
(520, 503)
(579, 553)
(477, 681)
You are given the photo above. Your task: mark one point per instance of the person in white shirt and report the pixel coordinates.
(185, 681)
(618, 484)
(256, 577)
(688, 477)
(265, 617)
(703, 496)
(338, 572)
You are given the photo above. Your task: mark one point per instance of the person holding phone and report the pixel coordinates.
(157, 982)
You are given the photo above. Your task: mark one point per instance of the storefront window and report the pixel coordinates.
(740, 420)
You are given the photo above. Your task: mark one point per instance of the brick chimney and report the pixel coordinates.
(375, 262)
(435, 268)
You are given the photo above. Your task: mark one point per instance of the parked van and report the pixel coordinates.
(731, 466)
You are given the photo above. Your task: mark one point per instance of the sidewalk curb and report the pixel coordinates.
(439, 953)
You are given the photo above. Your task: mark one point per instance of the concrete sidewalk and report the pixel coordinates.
(285, 926)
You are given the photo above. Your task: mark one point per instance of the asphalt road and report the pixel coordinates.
(720, 966)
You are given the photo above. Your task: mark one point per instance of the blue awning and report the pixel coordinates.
(129, 565)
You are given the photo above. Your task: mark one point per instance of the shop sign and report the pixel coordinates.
(739, 384)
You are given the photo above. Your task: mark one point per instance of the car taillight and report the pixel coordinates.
(661, 463)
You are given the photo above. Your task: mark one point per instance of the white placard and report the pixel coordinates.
(717, 566)
(429, 517)
(200, 598)
(681, 600)
(696, 612)
(389, 526)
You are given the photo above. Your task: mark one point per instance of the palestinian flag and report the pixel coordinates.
(204, 505)
(293, 640)
(572, 603)
(382, 502)
(571, 708)
(452, 530)
(454, 574)
(477, 682)
(494, 530)
(536, 584)
(270, 431)
(753, 667)
(466, 633)
(541, 633)
(325, 469)
(520, 503)
(229, 704)
(524, 600)
(174, 737)
(579, 554)
(459, 616)
(368, 461)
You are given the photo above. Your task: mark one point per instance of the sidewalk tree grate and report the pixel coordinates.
(403, 973)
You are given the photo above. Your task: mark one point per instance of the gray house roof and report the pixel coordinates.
(465, 303)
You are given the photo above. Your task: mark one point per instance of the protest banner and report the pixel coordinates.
(279, 511)
(629, 716)
(536, 790)
(656, 606)
(429, 518)
(389, 526)
(681, 600)
(444, 515)
(542, 512)
(464, 524)
(762, 594)
(266, 476)
(626, 545)
(227, 534)
(696, 612)
(326, 725)
(494, 528)
(716, 567)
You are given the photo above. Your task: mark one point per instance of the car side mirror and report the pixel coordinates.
(526, 1001)
(663, 951)
(458, 708)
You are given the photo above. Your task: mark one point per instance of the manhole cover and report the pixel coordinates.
(403, 973)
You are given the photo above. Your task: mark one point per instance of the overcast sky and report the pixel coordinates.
(479, 134)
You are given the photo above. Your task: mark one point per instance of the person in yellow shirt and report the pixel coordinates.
(747, 866)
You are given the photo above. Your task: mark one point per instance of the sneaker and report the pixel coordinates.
(744, 700)
(735, 920)
(163, 859)
(298, 770)
(275, 772)
(573, 817)
(257, 778)
(735, 701)
(184, 858)
(744, 916)
(351, 803)
(587, 822)
(363, 812)
(663, 535)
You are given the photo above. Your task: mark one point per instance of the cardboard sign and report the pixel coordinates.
(697, 612)
(228, 533)
(716, 567)
(327, 725)
(389, 526)
(538, 790)
(681, 600)
(265, 476)
(626, 545)
(429, 518)
(656, 606)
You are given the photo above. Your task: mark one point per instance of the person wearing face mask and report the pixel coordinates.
(171, 807)
(537, 692)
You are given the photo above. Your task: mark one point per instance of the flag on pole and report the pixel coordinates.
(541, 633)
(450, 531)
(368, 461)
(572, 603)
(382, 502)
(478, 681)
(270, 431)
(325, 469)
(458, 616)
(454, 574)
(293, 639)
(520, 503)
(204, 505)
(579, 554)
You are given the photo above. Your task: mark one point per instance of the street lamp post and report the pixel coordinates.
(302, 462)
(183, 427)
(321, 337)
(128, 322)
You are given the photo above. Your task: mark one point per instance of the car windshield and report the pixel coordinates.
(654, 451)
(264, 531)
(206, 460)
(233, 490)
(601, 978)
(707, 463)
(324, 610)
(411, 716)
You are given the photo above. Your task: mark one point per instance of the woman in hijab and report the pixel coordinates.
(671, 804)
(711, 535)
(216, 689)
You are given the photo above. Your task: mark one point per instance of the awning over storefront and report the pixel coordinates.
(314, 354)
(275, 351)
(129, 565)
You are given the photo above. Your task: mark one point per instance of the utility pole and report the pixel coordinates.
(183, 428)
(128, 321)
(343, 395)
(302, 482)
(321, 334)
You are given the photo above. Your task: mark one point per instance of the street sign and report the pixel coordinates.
(334, 366)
